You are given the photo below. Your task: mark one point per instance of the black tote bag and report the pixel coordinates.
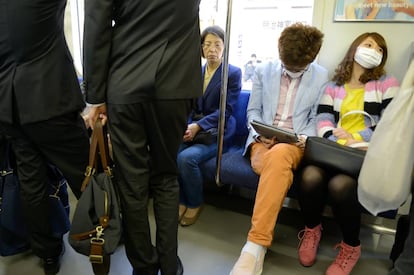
(328, 154)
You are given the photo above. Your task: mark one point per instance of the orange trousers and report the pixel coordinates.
(275, 167)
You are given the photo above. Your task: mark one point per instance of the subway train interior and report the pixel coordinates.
(212, 245)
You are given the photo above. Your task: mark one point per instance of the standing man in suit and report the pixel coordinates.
(142, 67)
(40, 105)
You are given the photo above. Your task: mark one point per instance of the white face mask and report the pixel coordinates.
(294, 75)
(367, 58)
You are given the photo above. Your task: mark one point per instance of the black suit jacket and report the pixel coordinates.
(35, 63)
(135, 50)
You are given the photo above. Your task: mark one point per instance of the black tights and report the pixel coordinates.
(318, 188)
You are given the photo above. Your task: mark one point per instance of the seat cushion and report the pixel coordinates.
(240, 113)
(235, 170)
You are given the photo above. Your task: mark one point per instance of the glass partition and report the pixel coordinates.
(256, 26)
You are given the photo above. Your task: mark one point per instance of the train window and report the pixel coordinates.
(74, 30)
(255, 25)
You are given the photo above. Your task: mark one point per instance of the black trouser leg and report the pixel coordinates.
(145, 138)
(164, 183)
(129, 140)
(32, 173)
(62, 141)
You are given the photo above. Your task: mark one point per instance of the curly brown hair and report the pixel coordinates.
(299, 45)
(343, 72)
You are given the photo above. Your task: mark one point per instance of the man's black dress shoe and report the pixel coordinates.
(51, 266)
(146, 271)
(180, 268)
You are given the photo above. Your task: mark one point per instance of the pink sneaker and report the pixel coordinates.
(308, 244)
(345, 261)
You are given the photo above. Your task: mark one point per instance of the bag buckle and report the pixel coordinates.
(96, 259)
(108, 171)
(96, 247)
(4, 173)
(89, 171)
(97, 241)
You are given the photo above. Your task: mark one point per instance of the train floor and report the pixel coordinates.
(213, 244)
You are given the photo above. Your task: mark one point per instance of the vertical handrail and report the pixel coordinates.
(223, 95)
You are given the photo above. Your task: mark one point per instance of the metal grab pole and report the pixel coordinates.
(223, 95)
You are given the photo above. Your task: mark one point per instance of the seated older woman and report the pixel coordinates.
(199, 140)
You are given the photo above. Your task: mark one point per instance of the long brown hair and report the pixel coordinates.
(343, 72)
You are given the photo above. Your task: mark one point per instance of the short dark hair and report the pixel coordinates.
(299, 45)
(214, 30)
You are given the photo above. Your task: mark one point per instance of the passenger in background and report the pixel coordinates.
(249, 68)
(359, 83)
(200, 138)
(40, 105)
(142, 68)
(286, 94)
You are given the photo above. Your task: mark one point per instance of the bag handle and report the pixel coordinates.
(99, 144)
(373, 123)
(353, 112)
(103, 148)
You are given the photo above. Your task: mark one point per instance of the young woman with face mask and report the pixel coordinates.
(359, 83)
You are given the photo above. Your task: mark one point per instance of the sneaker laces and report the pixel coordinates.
(346, 253)
(308, 237)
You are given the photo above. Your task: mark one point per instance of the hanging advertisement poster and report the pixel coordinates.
(374, 10)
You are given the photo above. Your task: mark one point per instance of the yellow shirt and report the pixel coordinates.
(354, 100)
(207, 77)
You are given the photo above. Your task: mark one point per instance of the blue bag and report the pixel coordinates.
(13, 232)
(12, 228)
